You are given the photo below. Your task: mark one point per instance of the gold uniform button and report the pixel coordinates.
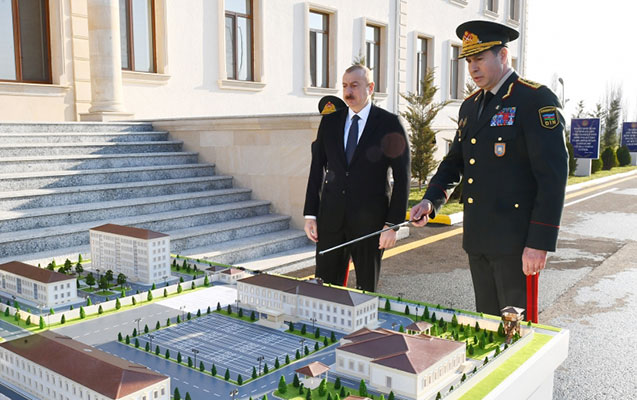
(470, 200)
(470, 181)
(516, 205)
(472, 161)
(473, 140)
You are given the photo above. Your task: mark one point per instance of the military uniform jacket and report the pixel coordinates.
(513, 163)
(358, 196)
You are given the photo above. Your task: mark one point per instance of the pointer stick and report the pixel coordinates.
(365, 237)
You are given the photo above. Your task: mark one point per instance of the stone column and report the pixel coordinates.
(106, 63)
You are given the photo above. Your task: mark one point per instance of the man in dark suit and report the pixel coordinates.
(510, 155)
(348, 191)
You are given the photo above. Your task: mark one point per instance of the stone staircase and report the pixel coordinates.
(59, 180)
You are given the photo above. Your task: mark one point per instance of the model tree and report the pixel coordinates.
(387, 305)
(297, 383)
(362, 388)
(227, 375)
(213, 370)
(90, 280)
(283, 387)
(176, 395)
(79, 269)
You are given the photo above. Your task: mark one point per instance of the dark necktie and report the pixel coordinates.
(485, 101)
(352, 139)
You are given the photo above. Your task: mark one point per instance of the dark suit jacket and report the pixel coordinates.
(513, 163)
(358, 197)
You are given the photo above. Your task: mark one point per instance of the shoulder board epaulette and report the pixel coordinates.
(509, 91)
(473, 94)
(529, 83)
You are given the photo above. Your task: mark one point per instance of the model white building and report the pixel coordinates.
(37, 286)
(53, 366)
(413, 367)
(142, 255)
(286, 299)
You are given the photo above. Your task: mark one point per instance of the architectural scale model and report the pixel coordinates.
(142, 255)
(35, 286)
(410, 366)
(286, 299)
(54, 366)
(511, 317)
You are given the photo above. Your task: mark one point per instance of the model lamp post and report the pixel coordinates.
(137, 320)
(400, 296)
(234, 393)
(238, 302)
(182, 308)
(195, 352)
(313, 321)
(151, 337)
(165, 277)
(393, 325)
(302, 341)
(259, 359)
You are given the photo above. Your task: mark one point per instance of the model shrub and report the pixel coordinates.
(316, 346)
(218, 306)
(337, 383)
(213, 370)
(187, 396)
(287, 358)
(189, 362)
(253, 317)
(198, 312)
(306, 350)
(167, 354)
(297, 355)
(283, 387)
(296, 382)
(291, 326)
(325, 341)
(387, 305)
(119, 336)
(303, 329)
(276, 363)
(136, 343)
(208, 310)
(179, 289)
(147, 347)
(127, 340)
(41, 322)
(179, 357)
(254, 373)
(188, 316)
(168, 321)
(227, 375)
(176, 395)
(265, 368)
(317, 333)
(407, 309)
(146, 330)
(165, 292)
(229, 309)
(157, 351)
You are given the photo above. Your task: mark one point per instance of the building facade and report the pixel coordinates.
(39, 287)
(286, 299)
(52, 366)
(413, 367)
(142, 255)
(103, 59)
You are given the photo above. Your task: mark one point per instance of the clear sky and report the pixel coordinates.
(590, 44)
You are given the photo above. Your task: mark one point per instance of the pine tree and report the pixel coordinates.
(179, 357)
(276, 363)
(62, 321)
(387, 305)
(296, 382)
(362, 388)
(157, 351)
(287, 359)
(265, 368)
(337, 383)
(201, 366)
(176, 395)
(254, 373)
(41, 322)
(227, 375)
(146, 330)
(239, 379)
(213, 370)
(167, 354)
(406, 309)
(611, 120)
(187, 396)
(421, 111)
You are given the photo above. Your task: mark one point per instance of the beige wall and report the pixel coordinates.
(268, 154)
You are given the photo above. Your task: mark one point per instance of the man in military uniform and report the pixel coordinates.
(510, 155)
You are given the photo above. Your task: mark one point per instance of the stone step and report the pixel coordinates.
(11, 221)
(42, 239)
(285, 261)
(214, 234)
(59, 179)
(21, 150)
(94, 161)
(235, 251)
(80, 137)
(39, 198)
(55, 127)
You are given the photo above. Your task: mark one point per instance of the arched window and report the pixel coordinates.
(24, 41)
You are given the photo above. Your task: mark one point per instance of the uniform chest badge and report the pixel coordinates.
(505, 117)
(500, 149)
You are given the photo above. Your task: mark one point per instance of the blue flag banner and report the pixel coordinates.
(629, 136)
(585, 137)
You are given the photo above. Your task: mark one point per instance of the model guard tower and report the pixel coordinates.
(511, 317)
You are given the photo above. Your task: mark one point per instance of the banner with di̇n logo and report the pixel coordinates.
(585, 137)
(629, 136)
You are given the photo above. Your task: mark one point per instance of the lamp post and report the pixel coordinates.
(259, 359)
(182, 308)
(151, 337)
(137, 320)
(195, 352)
(400, 296)
(302, 341)
(561, 81)
(165, 277)
(313, 321)
(98, 274)
(234, 393)
(393, 325)
(237, 309)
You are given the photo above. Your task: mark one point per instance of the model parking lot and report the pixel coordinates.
(228, 343)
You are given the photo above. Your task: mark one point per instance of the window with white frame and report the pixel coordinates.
(319, 48)
(239, 39)
(373, 52)
(514, 10)
(456, 74)
(491, 6)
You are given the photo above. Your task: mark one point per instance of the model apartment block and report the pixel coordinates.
(413, 367)
(142, 255)
(53, 366)
(286, 299)
(37, 286)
